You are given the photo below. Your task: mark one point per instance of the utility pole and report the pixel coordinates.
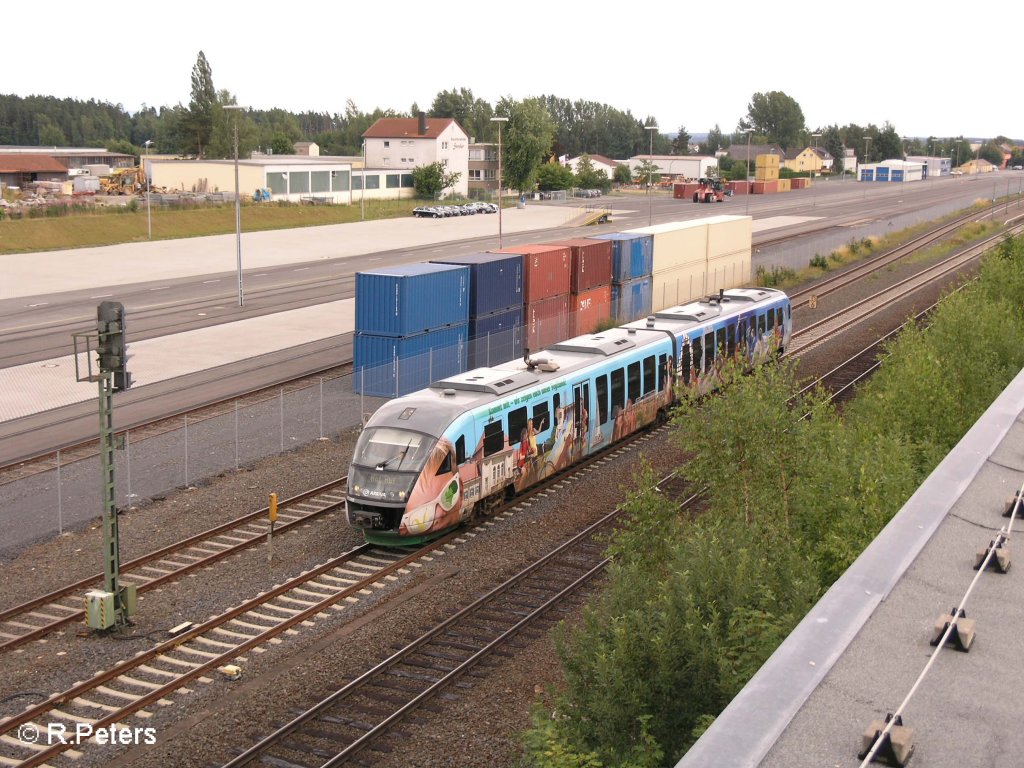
(112, 605)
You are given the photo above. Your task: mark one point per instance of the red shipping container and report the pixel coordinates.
(739, 187)
(547, 322)
(765, 187)
(590, 309)
(798, 183)
(591, 263)
(546, 270)
(684, 191)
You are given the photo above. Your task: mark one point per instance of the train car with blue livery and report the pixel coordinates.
(427, 462)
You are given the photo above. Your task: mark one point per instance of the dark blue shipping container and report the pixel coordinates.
(496, 338)
(411, 299)
(632, 255)
(386, 366)
(495, 280)
(632, 300)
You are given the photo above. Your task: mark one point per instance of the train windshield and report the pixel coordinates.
(397, 450)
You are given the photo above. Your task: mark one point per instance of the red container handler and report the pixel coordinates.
(591, 263)
(589, 309)
(546, 270)
(547, 322)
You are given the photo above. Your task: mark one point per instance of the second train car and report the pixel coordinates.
(425, 462)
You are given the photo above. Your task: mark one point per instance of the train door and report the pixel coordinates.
(581, 416)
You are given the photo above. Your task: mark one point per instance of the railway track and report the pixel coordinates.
(37, 618)
(364, 710)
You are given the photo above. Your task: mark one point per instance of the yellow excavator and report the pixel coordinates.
(123, 181)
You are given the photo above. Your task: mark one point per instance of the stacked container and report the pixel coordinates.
(590, 285)
(495, 306)
(632, 263)
(729, 244)
(546, 284)
(679, 263)
(412, 325)
(766, 174)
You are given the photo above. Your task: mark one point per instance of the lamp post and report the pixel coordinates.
(362, 186)
(145, 170)
(238, 209)
(500, 121)
(650, 173)
(867, 142)
(814, 196)
(747, 180)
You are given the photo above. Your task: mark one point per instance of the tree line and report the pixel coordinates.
(539, 128)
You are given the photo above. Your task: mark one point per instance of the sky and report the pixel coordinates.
(871, 62)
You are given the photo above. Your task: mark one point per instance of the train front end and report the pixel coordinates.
(403, 486)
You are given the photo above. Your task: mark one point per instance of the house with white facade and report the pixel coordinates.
(404, 143)
(597, 162)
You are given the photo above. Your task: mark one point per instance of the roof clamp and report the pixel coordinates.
(962, 635)
(894, 748)
(1001, 559)
(1012, 502)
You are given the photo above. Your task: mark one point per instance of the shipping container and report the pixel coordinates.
(799, 183)
(731, 270)
(632, 255)
(495, 280)
(684, 191)
(765, 187)
(728, 234)
(591, 263)
(766, 174)
(546, 270)
(411, 299)
(784, 185)
(678, 286)
(589, 310)
(676, 243)
(496, 338)
(631, 300)
(739, 187)
(547, 322)
(388, 366)
(767, 160)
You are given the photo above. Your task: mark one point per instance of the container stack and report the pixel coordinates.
(495, 307)
(590, 288)
(766, 174)
(411, 327)
(632, 263)
(729, 246)
(679, 263)
(546, 284)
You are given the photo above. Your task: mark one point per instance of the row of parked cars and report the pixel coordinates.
(442, 211)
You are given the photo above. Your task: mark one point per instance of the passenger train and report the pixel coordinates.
(426, 462)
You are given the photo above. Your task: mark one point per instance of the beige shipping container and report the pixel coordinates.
(672, 287)
(729, 234)
(766, 174)
(784, 185)
(677, 243)
(769, 160)
(729, 271)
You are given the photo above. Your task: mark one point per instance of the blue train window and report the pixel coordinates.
(541, 417)
(516, 425)
(460, 450)
(709, 348)
(698, 352)
(731, 336)
(618, 390)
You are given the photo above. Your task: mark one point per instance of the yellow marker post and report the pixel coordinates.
(272, 509)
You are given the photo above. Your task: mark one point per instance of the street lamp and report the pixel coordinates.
(650, 173)
(238, 208)
(145, 170)
(499, 121)
(867, 142)
(814, 197)
(362, 186)
(747, 180)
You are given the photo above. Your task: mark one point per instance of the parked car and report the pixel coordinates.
(426, 212)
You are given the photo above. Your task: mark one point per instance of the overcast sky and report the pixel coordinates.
(917, 65)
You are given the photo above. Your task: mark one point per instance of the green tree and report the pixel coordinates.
(622, 174)
(991, 152)
(716, 140)
(646, 173)
(775, 116)
(201, 107)
(587, 177)
(681, 143)
(49, 133)
(281, 145)
(551, 176)
(473, 114)
(430, 181)
(832, 140)
(526, 140)
(888, 145)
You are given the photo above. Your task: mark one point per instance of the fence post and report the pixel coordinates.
(60, 501)
(128, 461)
(236, 435)
(186, 450)
(321, 407)
(281, 411)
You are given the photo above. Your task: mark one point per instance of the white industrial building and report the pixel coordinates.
(892, 171)
(934, 166)
(686, 166)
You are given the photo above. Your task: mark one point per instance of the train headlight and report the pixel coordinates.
(401, 495)
(355, 489)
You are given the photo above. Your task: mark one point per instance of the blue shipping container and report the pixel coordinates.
(632, 255)
(386, 366)
(411, 299)
(632, 300)
(496, 338)
(495, 280)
